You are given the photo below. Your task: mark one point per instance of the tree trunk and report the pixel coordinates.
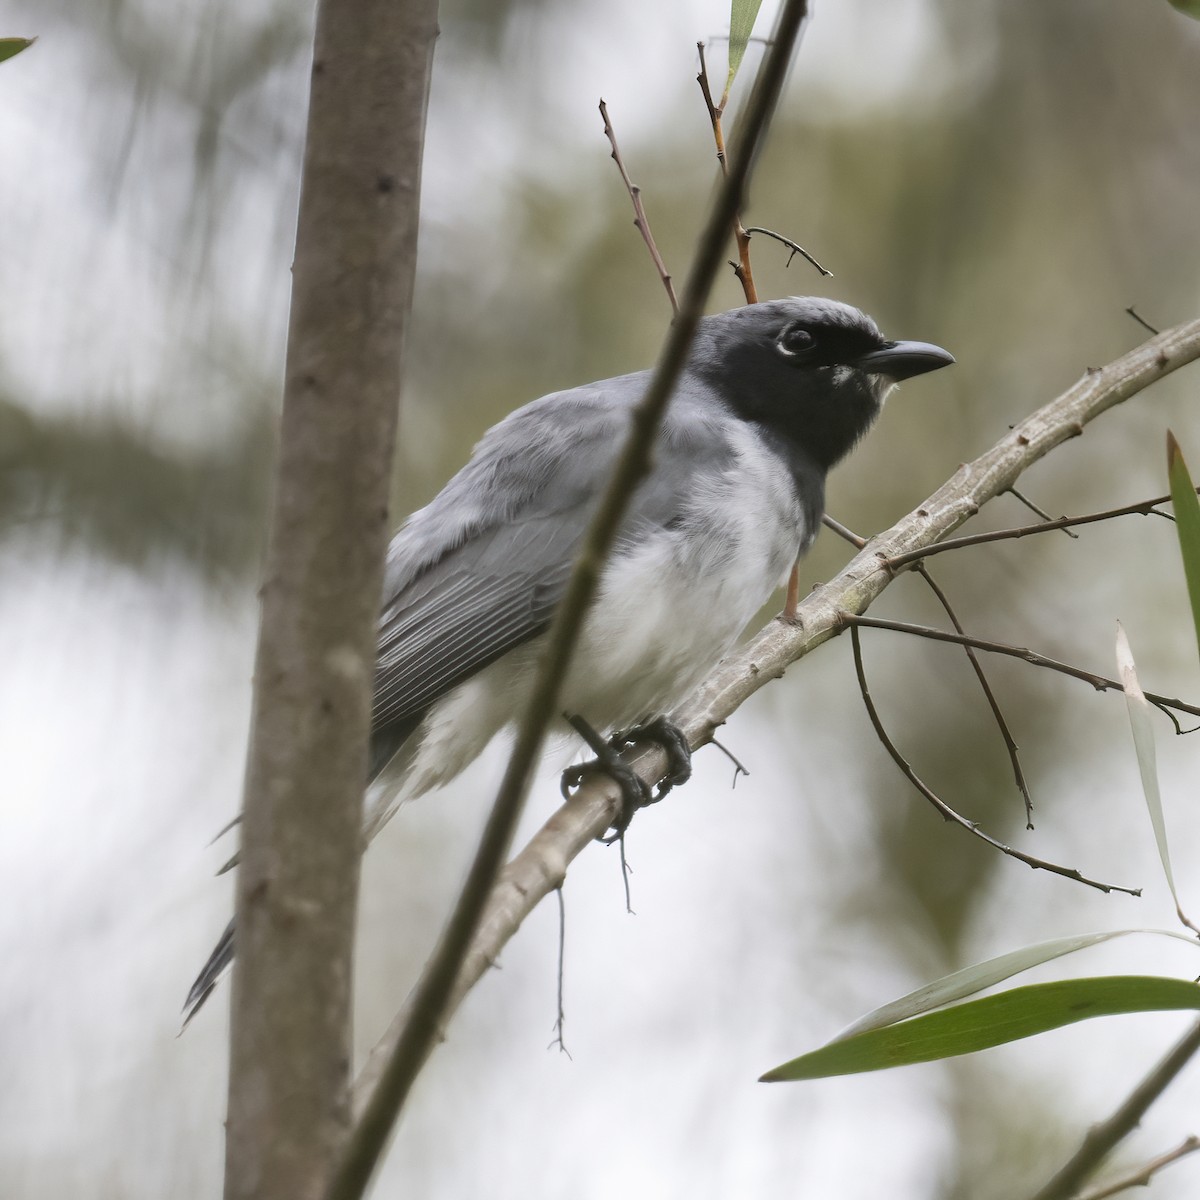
(298, 883)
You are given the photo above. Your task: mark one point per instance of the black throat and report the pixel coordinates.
(819, 414)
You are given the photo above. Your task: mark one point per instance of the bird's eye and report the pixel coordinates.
(796, 341)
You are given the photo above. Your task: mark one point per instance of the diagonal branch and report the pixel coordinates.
(414, 1040)
(541, 866)
(1103, 1137)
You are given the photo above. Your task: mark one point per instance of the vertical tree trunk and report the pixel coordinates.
(298, 882)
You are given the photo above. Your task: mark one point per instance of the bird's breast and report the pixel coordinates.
(674, 599)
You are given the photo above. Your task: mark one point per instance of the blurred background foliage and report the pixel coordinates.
(1003, 178)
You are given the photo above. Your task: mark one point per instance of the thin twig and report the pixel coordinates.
(1102, 1138)
(1005, 732)
(626, 872)
(843, 531)
(742, 268)
(1147, 508)
(994, 704)
(1010, 745)
(1179, 729)
(1146, 1172)
(639, 212)
(794, 247)
(715, 110)
(560, 1018)
(738, 768)
(1100, 682)
(1036, 509)
(1141, 320)
(948, 813)
(433, 996)
(541, 865)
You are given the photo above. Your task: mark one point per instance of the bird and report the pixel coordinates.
(771, 397)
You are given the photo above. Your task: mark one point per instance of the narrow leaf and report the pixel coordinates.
(985, 975)
(1187, 523)
(1191, 7)
(14, 45)
(742, 15)
(1143, 745)
(992, 1021)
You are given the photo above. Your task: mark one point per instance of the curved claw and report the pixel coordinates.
(635, 792)
(627, 779)
(670, 737)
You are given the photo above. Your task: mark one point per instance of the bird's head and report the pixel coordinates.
(813, 371)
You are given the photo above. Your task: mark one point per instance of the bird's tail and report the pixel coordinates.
(385, 743)
(218, 963)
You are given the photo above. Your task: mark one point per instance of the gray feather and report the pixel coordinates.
(481, 569)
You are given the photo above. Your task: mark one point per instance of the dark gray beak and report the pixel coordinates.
(903, 360)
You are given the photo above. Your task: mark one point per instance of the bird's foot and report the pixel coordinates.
(635, 792)
(670, 737)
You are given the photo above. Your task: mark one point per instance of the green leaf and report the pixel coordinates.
(992, 1021)
(742, 15)
(985, 975)
(1143, 746)
(14, 45)
(1187, 523)
(1190, 7)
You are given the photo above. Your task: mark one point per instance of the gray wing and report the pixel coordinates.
(481, 569)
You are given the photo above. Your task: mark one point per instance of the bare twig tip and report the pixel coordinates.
(1141, 321)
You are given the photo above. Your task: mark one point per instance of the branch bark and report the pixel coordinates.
(541, 866)
(298, 883)
(1103, 1137)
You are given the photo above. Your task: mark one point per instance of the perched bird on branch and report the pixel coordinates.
(772, 396)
